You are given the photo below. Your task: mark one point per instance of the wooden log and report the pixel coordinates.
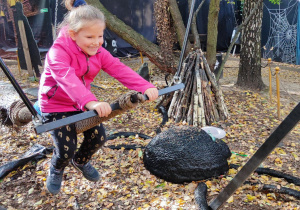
(184, 101)
(172, 105)
(178, 94)
(162, 100)
(214, 107)
(191, 105)
(200, 103)
(166, 99)
(219, 96)
(188, 78)
(199, 92)
(195, 113)
(175, 95)
(201, 113)
(210, 102)
(25, 48)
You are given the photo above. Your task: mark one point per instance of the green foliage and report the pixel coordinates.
(230, 2)
(272, 1)
(275, 1)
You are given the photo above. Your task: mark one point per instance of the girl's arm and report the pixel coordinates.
(129, 78)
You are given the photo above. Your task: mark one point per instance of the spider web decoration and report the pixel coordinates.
(282, 40)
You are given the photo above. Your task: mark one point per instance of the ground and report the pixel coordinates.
(125, 183)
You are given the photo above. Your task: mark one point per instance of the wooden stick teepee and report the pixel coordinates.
(201, 102)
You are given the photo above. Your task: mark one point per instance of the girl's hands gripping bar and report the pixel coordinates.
(103, 108)
(151, 94)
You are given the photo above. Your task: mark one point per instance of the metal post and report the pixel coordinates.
(176, 77)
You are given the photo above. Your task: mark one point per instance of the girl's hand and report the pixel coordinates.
(103, 108)
(152, 93)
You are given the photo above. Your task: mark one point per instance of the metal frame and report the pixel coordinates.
(82, 116)
(18, 88)
(261, 154)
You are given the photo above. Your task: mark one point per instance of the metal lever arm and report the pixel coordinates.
(85, 115)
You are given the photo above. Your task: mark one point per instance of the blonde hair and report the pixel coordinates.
(78, 17)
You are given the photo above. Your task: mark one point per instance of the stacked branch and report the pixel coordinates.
(201, 101)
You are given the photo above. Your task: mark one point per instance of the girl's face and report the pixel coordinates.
(90, 37)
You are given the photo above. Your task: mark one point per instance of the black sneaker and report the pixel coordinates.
(87, 170)
(54, 179)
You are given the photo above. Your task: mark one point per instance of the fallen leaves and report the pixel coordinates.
(126, 184)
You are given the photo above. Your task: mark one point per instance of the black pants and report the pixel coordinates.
(65, 141)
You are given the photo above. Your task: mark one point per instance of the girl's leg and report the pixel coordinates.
(64, 139)
(94, 138)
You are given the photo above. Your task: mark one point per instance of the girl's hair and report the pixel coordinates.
(77, 17)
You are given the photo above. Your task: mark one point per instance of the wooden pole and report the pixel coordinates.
(278, 92)
(142, 58)
(270, 78)
(25, 49)
(19, 67)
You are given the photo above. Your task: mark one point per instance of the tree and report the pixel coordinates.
(249, 75)
(194, 29)
(212, 32)
(239, 29)
(180, 28)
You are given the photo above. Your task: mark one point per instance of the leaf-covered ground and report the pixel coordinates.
(126, 184)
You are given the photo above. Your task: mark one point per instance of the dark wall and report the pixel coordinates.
(227, 19)
(138, 15)
(40, 25)
(7, 38)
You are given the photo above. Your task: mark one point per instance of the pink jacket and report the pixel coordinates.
(68, 73)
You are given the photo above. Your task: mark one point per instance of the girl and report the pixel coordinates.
(71, 64)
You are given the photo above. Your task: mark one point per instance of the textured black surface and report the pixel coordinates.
(200, 196)
(185, 154)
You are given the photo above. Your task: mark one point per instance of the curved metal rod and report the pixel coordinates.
(185, 41)
(17, 88)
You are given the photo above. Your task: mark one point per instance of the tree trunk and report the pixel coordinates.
(212, 32)
(249, 75)
(239, 28)
(139, 42)
(194, 29)
(179, 25)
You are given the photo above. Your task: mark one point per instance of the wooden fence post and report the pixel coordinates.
(25, 49)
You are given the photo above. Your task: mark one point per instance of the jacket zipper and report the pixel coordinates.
(88, 69)
(55, 86)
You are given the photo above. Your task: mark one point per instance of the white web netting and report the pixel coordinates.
(282, 40)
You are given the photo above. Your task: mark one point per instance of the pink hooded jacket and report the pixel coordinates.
(68, 73)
